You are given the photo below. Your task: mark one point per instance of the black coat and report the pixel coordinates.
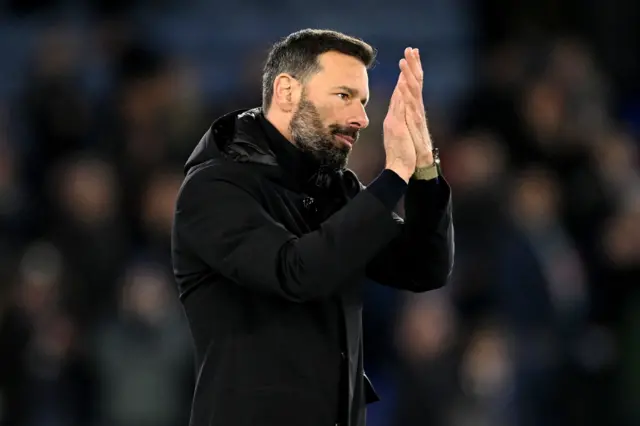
(270, 253)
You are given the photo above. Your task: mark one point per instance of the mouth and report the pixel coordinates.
(347, 140)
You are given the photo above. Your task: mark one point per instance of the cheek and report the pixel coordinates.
(337, 111)
(330, 115)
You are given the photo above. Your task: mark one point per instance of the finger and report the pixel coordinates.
(401, 113)
(417, 127)
(395, 97)
(414, 84)
(416, 66)
(413, 60)
(411, 80)
(407, 52)
(414, 113)
(402, 79)
(414, 117)
(404, 90)
(401, 104)
(407, 97)
(412, 103)
(417, 53)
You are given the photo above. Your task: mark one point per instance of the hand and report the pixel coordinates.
(411, 84)
(398, 144)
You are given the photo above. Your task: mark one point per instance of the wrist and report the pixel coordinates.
(404, 172)
(425, 160)
(430, 169)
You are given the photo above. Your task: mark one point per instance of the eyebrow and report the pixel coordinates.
(353, 93)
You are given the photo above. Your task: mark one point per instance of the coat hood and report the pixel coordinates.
(234, 136)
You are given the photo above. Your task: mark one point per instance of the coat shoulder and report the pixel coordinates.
(245, 176)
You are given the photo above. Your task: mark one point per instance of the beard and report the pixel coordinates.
(312, 136)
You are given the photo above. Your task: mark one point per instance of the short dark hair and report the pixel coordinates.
(297, 54)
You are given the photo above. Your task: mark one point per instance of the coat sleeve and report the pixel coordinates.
(229, 230)
(421, 257)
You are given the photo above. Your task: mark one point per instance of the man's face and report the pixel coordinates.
(331, 109)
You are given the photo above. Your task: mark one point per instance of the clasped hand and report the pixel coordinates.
(406, 134)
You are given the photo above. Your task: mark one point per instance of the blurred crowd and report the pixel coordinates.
(540, 325)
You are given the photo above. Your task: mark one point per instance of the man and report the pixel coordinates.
(274, 238)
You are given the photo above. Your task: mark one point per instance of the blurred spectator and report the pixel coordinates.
(57, 110)
(541, 296)
(158, 204)
(429, 358)
(476, 168)
(143, 356)
(617, 159)
(46, 381)
(12, 199)
(486, 380)
(88, 230)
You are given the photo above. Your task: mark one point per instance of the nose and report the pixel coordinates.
(359, 119)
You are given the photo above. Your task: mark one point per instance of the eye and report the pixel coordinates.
(343, 96)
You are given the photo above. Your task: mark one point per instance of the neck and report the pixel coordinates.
(280, 121)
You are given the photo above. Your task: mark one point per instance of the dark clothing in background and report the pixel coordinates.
(270, 253)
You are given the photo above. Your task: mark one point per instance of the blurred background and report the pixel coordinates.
(535, 106)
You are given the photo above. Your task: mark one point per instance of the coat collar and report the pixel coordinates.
(246, 136)
(302, 166)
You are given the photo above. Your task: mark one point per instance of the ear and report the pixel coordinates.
(286, 92)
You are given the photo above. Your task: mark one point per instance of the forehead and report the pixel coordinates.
(339, 69)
